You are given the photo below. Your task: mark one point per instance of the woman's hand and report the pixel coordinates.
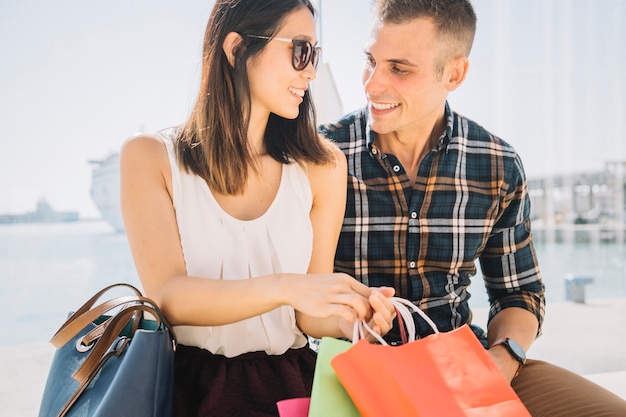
(328, 295)
(380, 318)
(384, 312)
(340, 298)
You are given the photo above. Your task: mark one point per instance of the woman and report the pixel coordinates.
(229, 216)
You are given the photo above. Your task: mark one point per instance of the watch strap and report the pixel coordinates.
(505, 343)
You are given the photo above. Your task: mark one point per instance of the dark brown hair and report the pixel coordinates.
(213, 142)
(454, 20)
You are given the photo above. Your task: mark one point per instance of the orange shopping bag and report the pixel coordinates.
(445, 374)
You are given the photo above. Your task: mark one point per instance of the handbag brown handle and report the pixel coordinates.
(86, 314)
(98, 354)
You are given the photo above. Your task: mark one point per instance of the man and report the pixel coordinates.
(430, 192)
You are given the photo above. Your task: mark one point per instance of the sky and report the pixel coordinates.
(77, 77)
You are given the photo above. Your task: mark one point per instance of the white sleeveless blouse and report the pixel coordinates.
(217, 245)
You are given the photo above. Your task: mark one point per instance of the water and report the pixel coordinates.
(47, 270)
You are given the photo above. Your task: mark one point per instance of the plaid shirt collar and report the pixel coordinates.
(444, 140)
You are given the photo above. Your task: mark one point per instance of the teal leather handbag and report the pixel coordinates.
(112, 364)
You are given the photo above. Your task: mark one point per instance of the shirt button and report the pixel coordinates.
(396, 168)
(412, 265)
(414, 215)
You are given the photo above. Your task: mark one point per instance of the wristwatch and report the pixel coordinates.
(514, 349)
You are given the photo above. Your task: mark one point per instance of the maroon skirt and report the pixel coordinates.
(208, 385)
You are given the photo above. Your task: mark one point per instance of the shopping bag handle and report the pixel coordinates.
(403, 308)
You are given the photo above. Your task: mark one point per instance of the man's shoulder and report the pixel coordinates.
(468, 129)
(339, 131)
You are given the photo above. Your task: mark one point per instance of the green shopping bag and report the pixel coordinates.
(328, 396)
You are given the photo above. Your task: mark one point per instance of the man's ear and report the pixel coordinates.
(456, 72)
(230, 45)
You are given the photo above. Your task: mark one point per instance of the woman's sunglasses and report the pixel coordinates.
(301, 54)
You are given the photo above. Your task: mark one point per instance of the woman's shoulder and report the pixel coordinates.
(330, 172)
(337, 159)
(144, 149)
(151, 141)
(147, 144)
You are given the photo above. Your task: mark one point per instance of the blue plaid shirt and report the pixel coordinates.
(470, 201)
